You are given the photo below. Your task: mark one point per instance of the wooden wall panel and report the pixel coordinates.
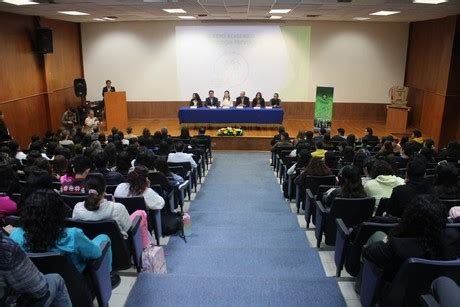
(450, 124)
(292, 110)
(415, 101)
(432, 115)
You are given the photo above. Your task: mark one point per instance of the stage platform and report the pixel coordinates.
(258, 138)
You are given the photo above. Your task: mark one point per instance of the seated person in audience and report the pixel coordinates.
(309, 135)
(304, 158)
(226, 100)
(81, 166)
(19, 275)
(340, 136)
(406, 152)
(446, 184)
(327, 142)
(275, 101)
(138, 184)
(382, 182)
(347, 155)
(428, 145)
(427, 155)
(129, 133)
(284, 141)
(7, 207)
(159, 175)
(123, 163)
(59, 167)
(320, 151)
(91, 121)
(452, 150)
(418, 235)
(212, 101)
(350, 186)
(277, 137)
(69, 119)
(16, 153)
(315, 167)
(320, 136)
(300, 143)
(351, 141)
(359, 162)
(165, 136)
(4, 132)
(258, 101)
(65, 139)
(101, 162)
(369, 136)
(43, 230)
(242, 100)
(179, 156)
(331, 160)
(196, 101)
(385, 150)
(9, 181)
(163, 149)
(415, 185)
(184, 134)
(97, 208)
(417, 136)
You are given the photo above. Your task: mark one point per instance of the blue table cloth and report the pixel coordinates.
(231, 116)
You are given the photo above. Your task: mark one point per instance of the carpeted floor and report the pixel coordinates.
(246, 247)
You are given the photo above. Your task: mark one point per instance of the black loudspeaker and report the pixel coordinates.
(44, 37)
(79, 85)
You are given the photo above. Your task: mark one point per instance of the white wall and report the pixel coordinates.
(362, 60)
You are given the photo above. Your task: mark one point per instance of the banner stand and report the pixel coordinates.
(323, 108)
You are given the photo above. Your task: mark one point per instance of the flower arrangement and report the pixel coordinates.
(229, 131)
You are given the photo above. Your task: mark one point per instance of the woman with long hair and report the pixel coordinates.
(184, 134)
(226, 100)
(446, 184)
(42, 229)
(315, 167)
(350, 186)
(138, 184)
(97, 208)
(196, 101)
(258, 101)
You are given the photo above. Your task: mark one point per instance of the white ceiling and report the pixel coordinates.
(129, 10)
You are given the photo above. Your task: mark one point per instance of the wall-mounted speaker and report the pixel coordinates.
(44, 39)
(79, 86)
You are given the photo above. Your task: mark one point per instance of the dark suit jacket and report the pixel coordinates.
(199, 103)
(105, 90)
(260, 102)
(212, 102)
(275, 102)
(402, 195)
(242, 100)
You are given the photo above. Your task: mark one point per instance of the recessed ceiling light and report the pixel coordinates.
(430, 1)
(20, 2)
(73, 13)
(108, 18)
(186, 17)
(280, 11)
(98, 19)
(361, 18)
(385, 13)
(174, 11)
(276, 17)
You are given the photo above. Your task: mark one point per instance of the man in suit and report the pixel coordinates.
(212, 101)
(242, 100)
(107, 88)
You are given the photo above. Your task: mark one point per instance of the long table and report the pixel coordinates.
(231, 116)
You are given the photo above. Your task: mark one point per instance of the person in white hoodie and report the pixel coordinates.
(97, 208)
(383, 181)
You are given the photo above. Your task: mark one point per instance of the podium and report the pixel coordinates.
(397, 119)
(116, 111)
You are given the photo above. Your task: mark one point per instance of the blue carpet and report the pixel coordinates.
(246, 248)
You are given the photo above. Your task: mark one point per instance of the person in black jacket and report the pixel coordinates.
(212, 101)
(415, 185)
(275, 101)
(242, 100)
(369, 137)
(258, 101)
(196, 101)
(107, 88)
(101, 162)
(277, 137)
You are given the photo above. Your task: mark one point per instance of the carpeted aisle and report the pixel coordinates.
(246, 247)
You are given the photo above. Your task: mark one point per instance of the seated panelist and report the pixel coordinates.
(212, 101)
(242, 100)
(196, 101)
(227, 100)
(258, 101)
(275, 101)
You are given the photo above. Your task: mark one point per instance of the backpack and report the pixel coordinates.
(153, 260)
(172, 223)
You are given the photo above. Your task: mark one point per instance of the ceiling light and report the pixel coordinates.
(280, 11)
(174, 11)
(108, 18)
(20, 2)
(186, 17)
(73, 13)
(98, 19)
(385, 13)
(361, 18)
(276, 17)
(430, 1)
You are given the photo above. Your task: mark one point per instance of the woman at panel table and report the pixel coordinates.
(275, 101)
(196, 101)
(258, 101)
(226, 101)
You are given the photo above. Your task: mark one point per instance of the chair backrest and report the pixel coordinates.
(280, 148)
(132, 204)
(449, 203)
(178, 170)
(72, 200)
(321, 190)
(452, 239)
(121, 257)
(313, 182)
(110, 189)
(414, 278)
(362, 234)
(186, 165)
(353, 211)
(79, 292)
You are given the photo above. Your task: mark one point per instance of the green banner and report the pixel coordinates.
(323, 107)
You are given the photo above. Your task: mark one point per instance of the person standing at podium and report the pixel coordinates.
(107, 88)
(242, 100)
(212, 101)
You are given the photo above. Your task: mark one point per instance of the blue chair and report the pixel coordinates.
(348, 247)
(80, 290)
(413, 279)
(353, 211)
(312, 196)
(444, 293)
(73, 200)
(312, 183)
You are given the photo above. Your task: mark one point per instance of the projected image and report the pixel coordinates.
(265, 58)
